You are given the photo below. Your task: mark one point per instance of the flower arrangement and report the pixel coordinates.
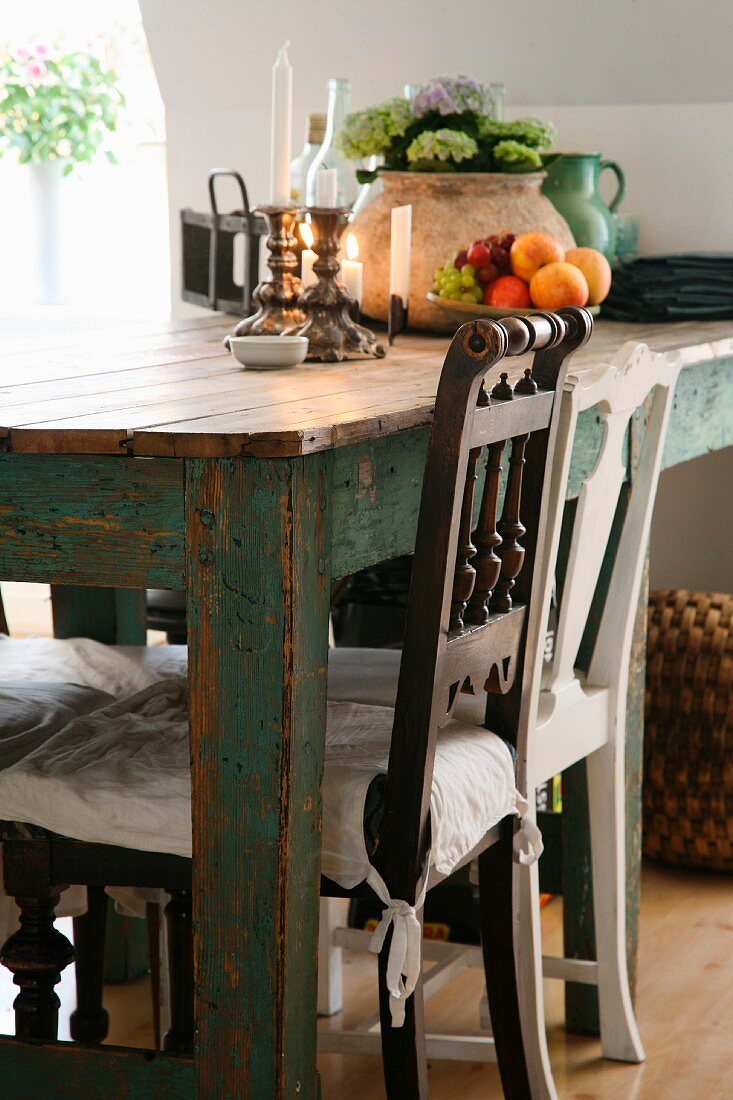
(447, 126)
(56, 105)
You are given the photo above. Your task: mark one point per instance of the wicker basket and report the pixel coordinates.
(688, 739)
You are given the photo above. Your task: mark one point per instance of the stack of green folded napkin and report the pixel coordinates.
(683, 286)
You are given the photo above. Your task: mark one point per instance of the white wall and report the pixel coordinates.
(648, 83)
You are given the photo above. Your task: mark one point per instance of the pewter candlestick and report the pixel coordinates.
(332, 334)
(277, 297)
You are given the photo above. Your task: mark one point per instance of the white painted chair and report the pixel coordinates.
(574, 716)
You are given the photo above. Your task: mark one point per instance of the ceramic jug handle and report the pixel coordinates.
(619, 174)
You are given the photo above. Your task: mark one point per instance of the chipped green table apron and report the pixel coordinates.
(256, 539)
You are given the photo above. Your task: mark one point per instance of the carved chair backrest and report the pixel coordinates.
(615, 392)
(468, 618)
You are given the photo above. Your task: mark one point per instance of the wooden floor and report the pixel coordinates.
(685, 1010)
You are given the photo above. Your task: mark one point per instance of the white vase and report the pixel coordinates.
(46, 201)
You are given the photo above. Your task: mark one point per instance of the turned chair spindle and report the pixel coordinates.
(465, 574)
(486, 538)
(511, 529)
(36, 954)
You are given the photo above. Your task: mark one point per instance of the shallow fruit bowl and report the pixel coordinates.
(267, 352)
(463, 311)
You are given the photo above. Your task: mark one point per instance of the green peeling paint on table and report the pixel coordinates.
(254, 493)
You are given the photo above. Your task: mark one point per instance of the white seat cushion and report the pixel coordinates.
(118, 670)
(354, 675)
(121, 776)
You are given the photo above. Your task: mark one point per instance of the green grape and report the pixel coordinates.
(443, 293)
(467, 280)
(467, 296)
(468, 269)
(438, 274)
(478, 294)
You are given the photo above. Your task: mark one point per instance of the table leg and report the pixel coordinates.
(258, 568)
(114, 616)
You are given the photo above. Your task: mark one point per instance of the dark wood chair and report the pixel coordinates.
(471, 619)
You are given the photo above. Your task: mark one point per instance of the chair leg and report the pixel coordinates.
(404, 1059)
(152, 922)
(620, 1039)
(509, 905)
(90, 1021)
(179, 1037)
(330, 958)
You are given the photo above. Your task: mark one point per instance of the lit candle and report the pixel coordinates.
(308, 257)
(399, 255)
(352, 270)
(281, 132)
(326, 187)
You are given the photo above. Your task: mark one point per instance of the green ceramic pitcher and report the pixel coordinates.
(572, 187)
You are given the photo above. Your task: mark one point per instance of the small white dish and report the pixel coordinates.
(267, 352)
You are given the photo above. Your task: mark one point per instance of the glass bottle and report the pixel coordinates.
(497, 95)
(315, 129)
(339, 105)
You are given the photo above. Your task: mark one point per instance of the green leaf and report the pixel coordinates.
(366, 175)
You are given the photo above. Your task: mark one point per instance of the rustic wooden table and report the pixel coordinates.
(149, 459)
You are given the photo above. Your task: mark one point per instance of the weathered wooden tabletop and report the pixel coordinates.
(119, 472)
(176, 392)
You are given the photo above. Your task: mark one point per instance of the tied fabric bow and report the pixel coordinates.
(528, 846)
(405, 954)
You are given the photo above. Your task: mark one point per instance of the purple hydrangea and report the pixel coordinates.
(450, 95)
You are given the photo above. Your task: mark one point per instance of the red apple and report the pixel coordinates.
(461, 259)
(508, 292)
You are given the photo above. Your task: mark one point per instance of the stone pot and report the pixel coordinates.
(450, 210)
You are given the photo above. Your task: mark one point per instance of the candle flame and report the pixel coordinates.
(306, 234)
(352, 247)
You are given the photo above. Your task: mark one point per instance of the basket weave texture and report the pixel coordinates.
(688, 733)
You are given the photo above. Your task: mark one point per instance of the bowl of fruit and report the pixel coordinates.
(504, 275)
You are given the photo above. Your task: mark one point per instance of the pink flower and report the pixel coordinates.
(21, 54)
(35, 70)
(40, 49)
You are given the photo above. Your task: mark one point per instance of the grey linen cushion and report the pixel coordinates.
(30, 713)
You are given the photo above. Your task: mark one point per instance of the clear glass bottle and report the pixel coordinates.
(315, 130)
(498, 93)
(339, 105)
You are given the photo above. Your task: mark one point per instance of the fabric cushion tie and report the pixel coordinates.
(405, 951)
(528, 846)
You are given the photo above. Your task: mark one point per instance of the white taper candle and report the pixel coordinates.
(399, 254)
(281, 131)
